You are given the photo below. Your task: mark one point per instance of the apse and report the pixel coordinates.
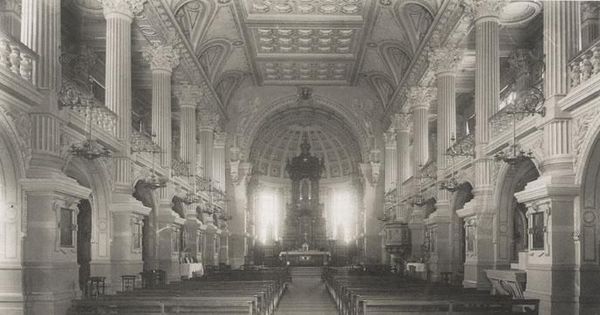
(332, 141)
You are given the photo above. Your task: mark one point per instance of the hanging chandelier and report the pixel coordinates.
(451, 184)
(418, 199)
(154, 181)
(89, 149)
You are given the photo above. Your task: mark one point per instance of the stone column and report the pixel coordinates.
(556, 274)
(420, 98)
(162, 60)
(10, 17)
(403, 122)
(590, 23)
(487, 88)
(238, 208)
(218, 160)
(188, 98)
(444, 62)
(119, 15)
(207, 122)
(40, 31)
(391, 160)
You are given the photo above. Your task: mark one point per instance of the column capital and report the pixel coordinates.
(445, 60)
(220, 138)
(484, 9)
(390, 139)
(207, 119)
(420, 97)
(161, 57)
(127, 8)
(403, 122)
(188, 95)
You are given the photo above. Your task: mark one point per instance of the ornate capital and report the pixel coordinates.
(479, 9)
(188, 95)
(207, 119)
(445, 60)
(124, 7)
(220, 138)
(420, 97)
(161, 57)
(403, 122)
(390, 139)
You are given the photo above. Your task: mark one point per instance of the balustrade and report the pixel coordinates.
(16, 58)
(585, 66)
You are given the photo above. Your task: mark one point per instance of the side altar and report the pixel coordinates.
(304, 222)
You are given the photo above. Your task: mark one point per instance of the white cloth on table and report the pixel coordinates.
(188, 270)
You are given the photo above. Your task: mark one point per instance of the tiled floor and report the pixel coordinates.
(306, 295)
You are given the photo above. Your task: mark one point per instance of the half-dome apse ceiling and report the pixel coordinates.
(329, 136)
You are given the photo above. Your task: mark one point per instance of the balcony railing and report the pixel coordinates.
(74, 98)
(17, 58)
(585, 66)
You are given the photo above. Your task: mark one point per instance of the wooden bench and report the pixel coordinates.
(361, 293)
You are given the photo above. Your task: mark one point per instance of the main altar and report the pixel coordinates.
(304, 222)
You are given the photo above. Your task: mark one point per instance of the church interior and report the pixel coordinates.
(299, 157)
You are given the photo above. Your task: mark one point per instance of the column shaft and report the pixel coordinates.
(40, 31)
(118, 72)
(205, 151)
(421, 125)
(487, 77)
(218, 161)
(187, 147)
(161, 113)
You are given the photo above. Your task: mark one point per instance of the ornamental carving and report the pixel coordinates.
(421, 97)
(187, 94)
(477, 9)
(315, 7)
(21, 123)
(582, 126)
(129, 7)
(445, 60)
(161, 57)
(207, 119)
(403, 122)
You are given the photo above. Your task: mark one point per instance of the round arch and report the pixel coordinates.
(96, 176)
(510, 228)
(355, 124)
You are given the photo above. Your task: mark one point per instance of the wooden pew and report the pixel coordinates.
(360, 293)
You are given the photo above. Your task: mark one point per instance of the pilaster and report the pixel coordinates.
(420, 99)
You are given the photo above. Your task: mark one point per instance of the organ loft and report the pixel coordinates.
(304, 222)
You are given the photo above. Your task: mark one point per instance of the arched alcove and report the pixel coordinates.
(511, 221)
(463, 195)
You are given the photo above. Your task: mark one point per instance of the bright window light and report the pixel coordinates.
(268, 217)
(343, 216)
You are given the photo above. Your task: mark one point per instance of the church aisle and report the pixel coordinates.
(306, 294)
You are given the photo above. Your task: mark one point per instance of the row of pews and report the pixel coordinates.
(248, 292)
(362, 292)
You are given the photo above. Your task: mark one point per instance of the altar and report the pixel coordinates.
(305, 258)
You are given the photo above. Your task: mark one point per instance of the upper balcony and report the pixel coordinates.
(17, 62)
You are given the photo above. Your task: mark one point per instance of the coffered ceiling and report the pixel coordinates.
(297, 42)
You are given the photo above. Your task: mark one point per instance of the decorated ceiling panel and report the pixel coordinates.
(305, 7)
